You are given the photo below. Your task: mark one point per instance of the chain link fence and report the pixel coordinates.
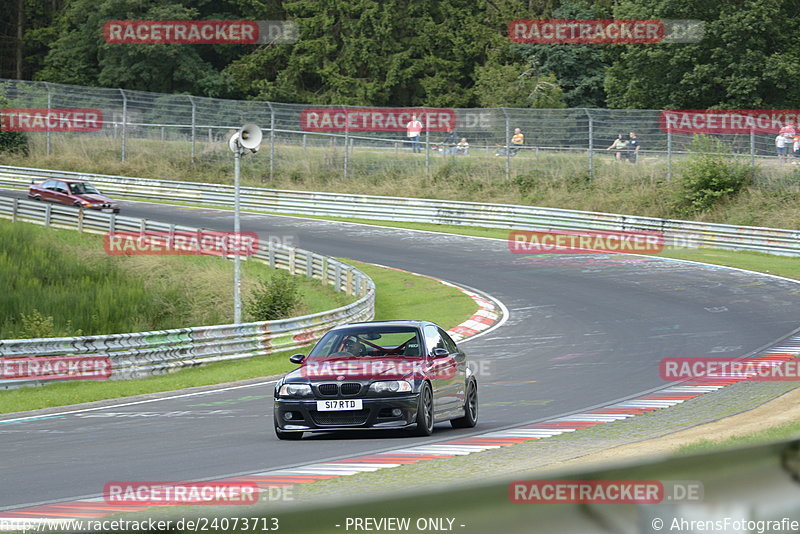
(334, 140)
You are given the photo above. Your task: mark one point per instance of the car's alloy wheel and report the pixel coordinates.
(425, 412)
(470, 418)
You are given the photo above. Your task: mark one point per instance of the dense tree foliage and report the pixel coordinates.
(419, 52)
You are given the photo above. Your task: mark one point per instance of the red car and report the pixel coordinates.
(73, 193)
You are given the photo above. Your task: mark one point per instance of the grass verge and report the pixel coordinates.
(62, 283)
(536, 178)
(400, 295)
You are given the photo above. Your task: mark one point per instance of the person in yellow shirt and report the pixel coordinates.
(517, 140)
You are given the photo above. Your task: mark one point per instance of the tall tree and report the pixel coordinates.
(748, 58)
(378, 52)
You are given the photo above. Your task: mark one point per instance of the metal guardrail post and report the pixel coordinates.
(81, 215)
(47, 214)
(14, 210)
(338, 277)
(194, 125)
(124, 122)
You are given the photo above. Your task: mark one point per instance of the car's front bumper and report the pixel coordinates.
(375, 414)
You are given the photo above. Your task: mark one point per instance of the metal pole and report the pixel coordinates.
(124, 120)
(669, 154)
(237, 282)
(194, 125)
(508, 146)
(271, 141)
(591, 144)
(49, 106)
(427, 144)
(753, 148)
(346, 142)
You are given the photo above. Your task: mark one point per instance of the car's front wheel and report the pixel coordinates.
(292, 436)
(470, 418)
(425, 412)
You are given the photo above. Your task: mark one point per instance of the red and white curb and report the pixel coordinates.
(491, 312)
(651, 402)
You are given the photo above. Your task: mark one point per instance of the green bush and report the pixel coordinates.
(274, 298)
(710, 175)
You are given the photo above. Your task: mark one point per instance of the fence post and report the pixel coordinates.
(124, 120)
(194, 125)
(753, 148)
(346, 141)
(49, 106)
(591, 144)
(14, 210)
(271, 140)
(427, 144)
(508, 144)
(669, 154)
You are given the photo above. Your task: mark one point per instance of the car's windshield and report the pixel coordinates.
(369, 342)
(83, 189)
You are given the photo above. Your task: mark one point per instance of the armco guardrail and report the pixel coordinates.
(145, 353)
(676, 232)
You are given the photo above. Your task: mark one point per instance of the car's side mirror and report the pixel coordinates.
(439, 352)
(297, 358)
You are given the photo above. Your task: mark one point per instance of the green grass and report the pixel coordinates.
(62, 283)
(442, 304)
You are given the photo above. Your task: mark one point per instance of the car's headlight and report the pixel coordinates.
(295, 390)
(390, 386)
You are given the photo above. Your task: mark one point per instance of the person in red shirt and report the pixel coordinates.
(789, 130)
(413, 129)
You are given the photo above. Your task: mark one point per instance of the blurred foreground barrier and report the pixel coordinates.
(142, 354)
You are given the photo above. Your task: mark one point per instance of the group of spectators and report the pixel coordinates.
(449, 145)
(787, 137)
(626, 148)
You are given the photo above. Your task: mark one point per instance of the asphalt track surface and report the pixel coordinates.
(584, 330)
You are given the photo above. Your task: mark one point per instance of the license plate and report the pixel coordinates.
(338, 405)
(107, 210)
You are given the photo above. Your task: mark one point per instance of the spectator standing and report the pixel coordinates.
(517, 140)
(413, 130)
(619, 145)
(780, 146)
(462, 148)
(796, 149)
(633, 148)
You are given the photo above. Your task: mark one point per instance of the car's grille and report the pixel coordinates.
(347, 389)
(328, 390)
(353, 417)
(350, 388)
